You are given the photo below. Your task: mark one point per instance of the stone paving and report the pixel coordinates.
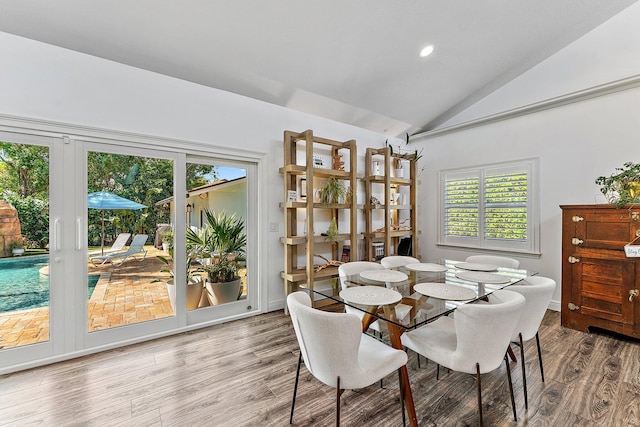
(123, 295)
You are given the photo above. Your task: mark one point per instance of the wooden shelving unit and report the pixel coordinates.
(390, 234)
(303, 244)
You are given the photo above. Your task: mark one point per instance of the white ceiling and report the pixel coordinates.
(355, 61)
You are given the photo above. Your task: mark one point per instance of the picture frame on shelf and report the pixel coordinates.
(303, 188)
(292, 196)
(346, 253)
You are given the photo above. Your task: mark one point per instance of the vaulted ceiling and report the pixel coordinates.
(355, 61)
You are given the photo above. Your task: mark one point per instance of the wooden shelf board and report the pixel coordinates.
(300, 275)
(318, 172)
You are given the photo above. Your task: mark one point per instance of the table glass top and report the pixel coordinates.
(423, 308)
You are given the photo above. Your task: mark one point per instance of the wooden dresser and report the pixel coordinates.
(600, 285)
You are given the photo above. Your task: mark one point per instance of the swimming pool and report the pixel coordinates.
(23, 287)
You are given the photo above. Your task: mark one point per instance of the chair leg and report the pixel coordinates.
(418, 356)
(524, 374)
(339, 392)
(479, 394)
(513, 400)
(437, 371)
(295, 388)
(404, 420)
(540, 356)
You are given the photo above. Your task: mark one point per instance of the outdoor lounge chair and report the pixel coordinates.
(118, 258)
(118, 244)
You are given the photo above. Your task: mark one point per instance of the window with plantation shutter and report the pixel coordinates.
(490, 207)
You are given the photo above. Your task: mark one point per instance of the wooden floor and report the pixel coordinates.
(242, 373)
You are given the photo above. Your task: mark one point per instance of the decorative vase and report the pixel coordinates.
(400, 173)
(376, 168)
(634, 189)
(224, 292)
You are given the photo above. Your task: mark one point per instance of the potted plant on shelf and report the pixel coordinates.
(17, 246)
(332, 192)
(224, 240)
(195, 284)
(623, 186)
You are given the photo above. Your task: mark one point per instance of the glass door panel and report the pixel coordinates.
(216, 241)
(129, 273)
(24, 243)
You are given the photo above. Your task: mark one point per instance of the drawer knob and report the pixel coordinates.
(573, 307)
(577, 241)
(573, 260)
(633, 293)
(577, 218)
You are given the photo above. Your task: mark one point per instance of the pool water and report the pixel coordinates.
(23, 287)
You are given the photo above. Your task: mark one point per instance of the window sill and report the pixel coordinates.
(490, 250)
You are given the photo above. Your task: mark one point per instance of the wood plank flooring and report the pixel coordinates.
(242, 373)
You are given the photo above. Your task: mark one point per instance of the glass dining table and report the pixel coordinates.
(414, 295)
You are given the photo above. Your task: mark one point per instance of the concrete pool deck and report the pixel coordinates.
(123, 295)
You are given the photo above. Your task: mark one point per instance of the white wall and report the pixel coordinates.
(575, 143)
(41, 81)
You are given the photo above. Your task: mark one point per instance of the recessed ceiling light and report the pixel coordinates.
(426, 51)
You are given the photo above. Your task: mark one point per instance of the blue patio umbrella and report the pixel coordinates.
(106, 200)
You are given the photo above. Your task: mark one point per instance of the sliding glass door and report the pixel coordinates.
(130, 281)
(104, 243)
(218, 237)
(30, 238)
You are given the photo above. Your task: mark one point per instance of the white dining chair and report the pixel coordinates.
(475, 341)
(500, 261)
(395, 261)
(537, 292)
(336, 352)
(350, 269)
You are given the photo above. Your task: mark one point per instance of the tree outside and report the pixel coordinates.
(24, 183)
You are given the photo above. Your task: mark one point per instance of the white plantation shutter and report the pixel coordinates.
(505, 204)
(490, 207)
(461, 205)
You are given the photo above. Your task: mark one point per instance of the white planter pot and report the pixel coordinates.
(194, 293)
(221, 293)
(165, 247)
(17, 251)
(171, 290)
(399, 173)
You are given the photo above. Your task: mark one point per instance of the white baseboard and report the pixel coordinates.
(554, 305)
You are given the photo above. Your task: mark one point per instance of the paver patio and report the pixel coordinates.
(123, 295)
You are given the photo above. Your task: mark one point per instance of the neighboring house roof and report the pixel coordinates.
(216, 185)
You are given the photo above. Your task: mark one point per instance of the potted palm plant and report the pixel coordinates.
(224, 240)
(195, 284)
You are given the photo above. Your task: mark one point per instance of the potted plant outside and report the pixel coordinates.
(195, 284)
(224, 240)
(17, 247)
(623, 186)
(167, 240)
